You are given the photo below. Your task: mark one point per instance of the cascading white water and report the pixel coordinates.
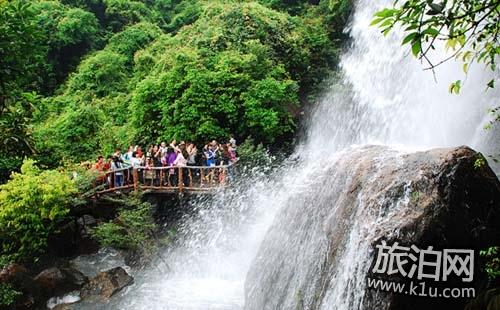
(387, 98)
(384, 98)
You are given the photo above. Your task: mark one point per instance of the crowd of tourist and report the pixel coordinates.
(174, 155)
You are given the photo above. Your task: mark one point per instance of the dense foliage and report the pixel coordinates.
(31, 203)
(8, 294)
(492, 258)
(100, 74)
(132, 229)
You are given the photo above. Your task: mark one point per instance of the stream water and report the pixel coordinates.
(384, 97)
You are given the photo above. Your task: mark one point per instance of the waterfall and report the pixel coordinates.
(384, 97)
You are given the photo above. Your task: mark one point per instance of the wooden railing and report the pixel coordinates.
(166, 179)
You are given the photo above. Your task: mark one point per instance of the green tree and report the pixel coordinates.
(491, 256)
(194, 70)
(102, 74)
(201, 98)
(8, 294)
(20, 51)
(68, 33)
(20, 59)
(121, 13)
(132, 39)
(72, 135)
(239, 68)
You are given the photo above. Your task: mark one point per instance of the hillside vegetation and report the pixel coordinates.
(81, 77)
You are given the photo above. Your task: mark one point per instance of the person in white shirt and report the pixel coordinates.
(162, 150)
(136, 164)
(181, 161)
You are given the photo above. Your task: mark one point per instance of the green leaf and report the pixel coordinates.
(376, 21)
(466, 56)
(451, 44)
(386, 12)
(387, 22)
(409, 38)
(431, 31)
(416, 47)
(455, 87)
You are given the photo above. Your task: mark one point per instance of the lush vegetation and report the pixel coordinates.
(8, 294)
(81, 77)
(31, 204)
(132, 229)
(492, 257)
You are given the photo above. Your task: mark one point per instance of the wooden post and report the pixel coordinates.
(143, 173)
(224, 173)
(112, 179)
(202, 177)
(180, 180)
(161, 177)
(135, 176)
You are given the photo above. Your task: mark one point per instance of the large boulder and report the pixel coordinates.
(58, 281)
(14, 273)
(86, 222)
(73, 238)
(18, 277)
(107, 283)
(320, 251)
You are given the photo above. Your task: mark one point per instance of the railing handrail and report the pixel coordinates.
(197, 178)
(169, 167)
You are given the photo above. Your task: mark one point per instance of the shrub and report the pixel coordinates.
(8, 294)
(492, 257)
(253, 155)
(31, 203)
(131, 230)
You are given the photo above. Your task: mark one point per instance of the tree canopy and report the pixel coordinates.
(100, 74)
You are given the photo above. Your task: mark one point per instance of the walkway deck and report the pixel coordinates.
(168, 180)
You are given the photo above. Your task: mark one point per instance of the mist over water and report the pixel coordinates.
(385, 98)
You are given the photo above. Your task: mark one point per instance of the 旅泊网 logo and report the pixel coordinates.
(421, 265)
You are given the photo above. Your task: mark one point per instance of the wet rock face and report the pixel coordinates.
(18, 276)
(73, 238)
(319, 251)
(13, 272)
(107, 283)
(58, 281)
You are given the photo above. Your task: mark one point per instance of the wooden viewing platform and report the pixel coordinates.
(169, 180)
